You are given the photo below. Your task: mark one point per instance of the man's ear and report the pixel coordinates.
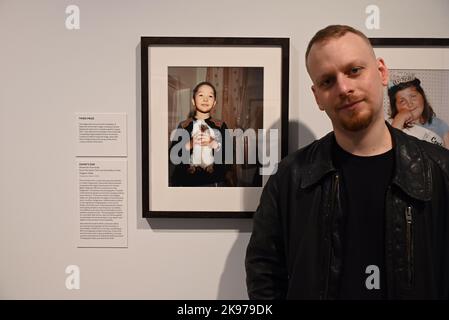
(383, 71)
(316, 98)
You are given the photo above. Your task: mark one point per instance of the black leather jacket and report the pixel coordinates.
(295, 250)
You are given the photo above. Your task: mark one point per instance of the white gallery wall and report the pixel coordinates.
(48, 73)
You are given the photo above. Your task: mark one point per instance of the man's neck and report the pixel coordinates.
(374, 140)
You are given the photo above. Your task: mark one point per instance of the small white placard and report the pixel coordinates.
(101, 134)
(102, 202)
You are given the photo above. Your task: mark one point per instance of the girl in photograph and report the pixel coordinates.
(206, 140)
(412, 113)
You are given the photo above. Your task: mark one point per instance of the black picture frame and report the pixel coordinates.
(171, 44)
(409, 42)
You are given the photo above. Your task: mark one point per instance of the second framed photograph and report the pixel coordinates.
(416, 98)
(214, 123)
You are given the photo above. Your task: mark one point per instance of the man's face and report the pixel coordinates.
(347, 81)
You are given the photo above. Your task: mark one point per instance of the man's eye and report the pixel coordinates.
(326, 83)
(355, 70)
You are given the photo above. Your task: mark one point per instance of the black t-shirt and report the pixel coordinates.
(364, 184)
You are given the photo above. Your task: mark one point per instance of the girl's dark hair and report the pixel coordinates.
(195, 90)
(428, 112)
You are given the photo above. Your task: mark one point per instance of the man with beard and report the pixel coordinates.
(362, 213)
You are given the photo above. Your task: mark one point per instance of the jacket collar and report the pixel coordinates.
(411, 173)
(412, 169)
(318, 162)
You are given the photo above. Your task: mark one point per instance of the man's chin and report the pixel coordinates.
(357, 122)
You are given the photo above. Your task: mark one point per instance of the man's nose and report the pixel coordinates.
(344, 85)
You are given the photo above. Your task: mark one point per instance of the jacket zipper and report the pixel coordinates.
(334, 194)
(409, 240)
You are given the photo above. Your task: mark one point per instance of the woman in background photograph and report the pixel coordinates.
(411, 111)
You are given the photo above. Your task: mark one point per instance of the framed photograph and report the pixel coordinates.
(214, 123)
(419, 83)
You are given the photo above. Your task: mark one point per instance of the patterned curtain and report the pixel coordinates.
(231, 93)
(237, 109)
